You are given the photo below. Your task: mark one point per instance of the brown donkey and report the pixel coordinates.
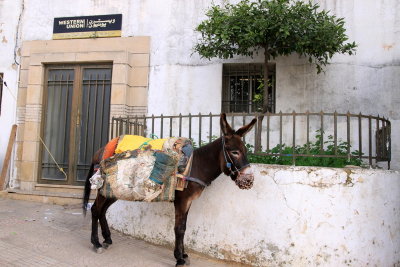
(225, 155)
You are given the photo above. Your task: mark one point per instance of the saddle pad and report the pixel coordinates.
(132, 142)
(140, 176)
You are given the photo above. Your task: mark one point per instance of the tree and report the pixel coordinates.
(279, 27)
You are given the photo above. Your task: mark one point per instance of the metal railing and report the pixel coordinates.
(365, 137)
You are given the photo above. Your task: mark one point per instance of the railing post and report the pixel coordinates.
(244, 123)
(144, 127)
(180, 124)
(162, 126)
(390, 143)
(210, 136)
(322, 131)
(370, 140)
(199, 129)
(280, 132)
(152, 124)
(137, 132)
(348, 135)
(308, 132)
(170, 126)
(359, 137)
(257, 145)
(335, 132)
(112, 128)
(294, 138)
(377, 147)
(190, 126)
(121, 126)
(268, 124)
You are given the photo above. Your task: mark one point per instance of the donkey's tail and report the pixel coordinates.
(86, 193)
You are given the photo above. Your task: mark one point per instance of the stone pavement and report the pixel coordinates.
(36, 234)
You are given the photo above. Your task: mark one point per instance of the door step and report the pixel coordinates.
(59, 198)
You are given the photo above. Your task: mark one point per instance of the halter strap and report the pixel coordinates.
(196, 180)
(230, 164)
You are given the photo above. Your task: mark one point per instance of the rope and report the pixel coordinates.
(51, 155)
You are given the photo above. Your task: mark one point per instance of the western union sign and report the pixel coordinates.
(87, 27)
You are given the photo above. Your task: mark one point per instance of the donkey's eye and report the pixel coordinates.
(235, 153)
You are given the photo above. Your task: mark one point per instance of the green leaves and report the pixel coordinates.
(282, 26)
(311, 148)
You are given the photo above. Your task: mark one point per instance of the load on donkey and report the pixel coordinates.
(160, 172)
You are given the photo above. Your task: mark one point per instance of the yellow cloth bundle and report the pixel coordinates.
(132, 142)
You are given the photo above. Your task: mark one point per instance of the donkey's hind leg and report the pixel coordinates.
(105, 230)
(96, 212)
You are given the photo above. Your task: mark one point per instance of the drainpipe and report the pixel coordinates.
(13, 170)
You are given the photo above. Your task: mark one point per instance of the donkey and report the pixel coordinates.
(226, 154)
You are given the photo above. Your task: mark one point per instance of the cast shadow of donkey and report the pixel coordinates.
(226, 154)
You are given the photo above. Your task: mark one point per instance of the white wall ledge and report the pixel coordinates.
(293, 216)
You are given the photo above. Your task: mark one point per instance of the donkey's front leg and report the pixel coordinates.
(181, 212)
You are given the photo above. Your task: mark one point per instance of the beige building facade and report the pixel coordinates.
(129, 60)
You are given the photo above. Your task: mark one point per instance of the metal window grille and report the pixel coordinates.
(242, 88)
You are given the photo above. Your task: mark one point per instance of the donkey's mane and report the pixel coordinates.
(204, 159)
(206, 148)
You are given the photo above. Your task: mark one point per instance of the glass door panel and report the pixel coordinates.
(57, 118)
(94, 116)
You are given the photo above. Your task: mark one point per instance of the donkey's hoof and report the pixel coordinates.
(98, 250)
(186, 258)
(106, 245)
(182, 262)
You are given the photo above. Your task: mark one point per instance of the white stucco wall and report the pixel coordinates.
(181, 82)
(9, 14)
(293, 216)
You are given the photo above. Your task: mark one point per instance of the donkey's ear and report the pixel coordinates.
(245, 129)
(225, 127)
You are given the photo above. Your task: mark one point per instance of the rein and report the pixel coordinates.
(231, 163)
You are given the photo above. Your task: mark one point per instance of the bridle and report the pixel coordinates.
(229, 164)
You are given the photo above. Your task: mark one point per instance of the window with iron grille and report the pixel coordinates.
(1, 90)
(243, 88)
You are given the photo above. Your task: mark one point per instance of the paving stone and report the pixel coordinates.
(35, 234)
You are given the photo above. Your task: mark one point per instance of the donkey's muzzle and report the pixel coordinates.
(245, 178)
